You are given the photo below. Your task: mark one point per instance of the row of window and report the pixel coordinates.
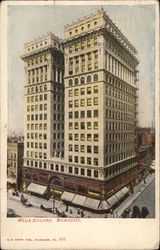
(114, 136)
(83, 114)
(58, 145)
(125, 126)
(119, 94)
(36, 98)
(83, 160)
(39, 107)
(83, 137)
(116, 147)
(82, 91)
(83, 102)
(39, 145)
(111, 114)
(32, 90)
(13, 164)
(70, 169)
(39, 155)
(119, 157)
(82, 58)
(37, 60)
(58, 136)
(83, 148)
(37, 126)
(83, 68)
(86, 44)
(83, 125)
(37, 136)
(111, 103)
(83, 80)
(119, 168)
(120, 85)
(58, 126)
(83, 27)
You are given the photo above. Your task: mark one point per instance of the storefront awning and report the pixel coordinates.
(36, 188)
(125, 190)
(66, 196)
(79, 200)
(104, 205)
(91, 203)
(11, 181)
(119, 195)
(112, 200)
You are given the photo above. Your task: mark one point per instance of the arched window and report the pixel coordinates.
(70, 82)
(36, 89)
(40, 164)
(95, 77)
(88, 79)
(76, 81)
(82, 80)
(28, 90)
(32, 90)
(45, 87)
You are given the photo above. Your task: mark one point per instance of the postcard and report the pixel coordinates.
(79, 125)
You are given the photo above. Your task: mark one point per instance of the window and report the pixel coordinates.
(57, 167)
(82, 125)
(95, 125)
(76, 81)
(96, 149)
(82, 148)
(95, 41)
(96, 65)
(96, 101)
(82, 102)
(88, 79)
(89, 66)
(76, 92)
(62, 168)
(82, 171)
(96, 161)
(89, 56)
(96, 173)
(76, 149)
(83, 58)
(70, 125)
(88, 125)
(89, 113)
(82, 44)
(89, 43)
(76, 159)
(76, 114)
(88, 172)
(76, 137)
(82, 114)
(70, 49)
(82, 137)
(95, 113)
(95, 137)
(89, 149)
(89, 162)
(76, 104)
(45, 97)
(70, 93)
(70, 82)
(76, 170)
(70, 104)
(96, 54)
(76, 47)
(44, 165)
(95, 77)
(89, 137)
(82, 160)
(76, 125)
(70, 137)
(95, 89)
(83, 68)
(82, 80)
(82, 91)
(70, 115)
(88, 90)
(89, 102)
(51, 167)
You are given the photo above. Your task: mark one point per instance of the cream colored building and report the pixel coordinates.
(98, 155)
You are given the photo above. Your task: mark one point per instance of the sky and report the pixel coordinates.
(25, 23)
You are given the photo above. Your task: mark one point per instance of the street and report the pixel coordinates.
(146, 199)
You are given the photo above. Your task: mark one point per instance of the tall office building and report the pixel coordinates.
(99, 165)
(44, 106)
(100, 106)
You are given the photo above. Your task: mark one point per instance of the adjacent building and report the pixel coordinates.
(15, 151)
(97, 157)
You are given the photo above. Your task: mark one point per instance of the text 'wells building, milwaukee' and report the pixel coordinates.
(81, 125)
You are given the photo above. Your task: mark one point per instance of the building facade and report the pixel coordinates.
(100, 144)
(15, 151)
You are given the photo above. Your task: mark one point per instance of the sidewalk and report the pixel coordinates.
(132, 197)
